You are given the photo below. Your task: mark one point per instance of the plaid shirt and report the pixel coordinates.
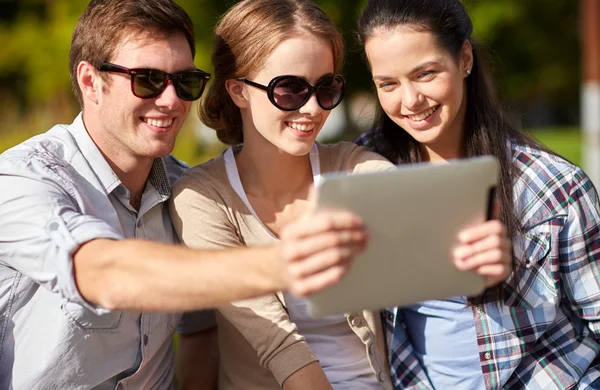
(546, 332)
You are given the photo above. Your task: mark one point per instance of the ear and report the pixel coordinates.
(235, 88)
(466, 58)
(89, 81)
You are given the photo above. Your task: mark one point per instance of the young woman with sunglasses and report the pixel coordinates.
(276, 65)
(541, 328)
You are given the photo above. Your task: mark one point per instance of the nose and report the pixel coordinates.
(412, 98)
(168, 98)
(311, 107)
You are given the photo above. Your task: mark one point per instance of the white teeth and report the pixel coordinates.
(302, 126)
(159, 122)
(423, 115)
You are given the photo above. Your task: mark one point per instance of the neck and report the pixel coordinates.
(270, 172)
(438, 155)
(132, 170)
(133, 174)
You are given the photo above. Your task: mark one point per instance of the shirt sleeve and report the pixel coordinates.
(591, 377)
(366, 139)
(579, 246)
(202, 222)
(42, 226)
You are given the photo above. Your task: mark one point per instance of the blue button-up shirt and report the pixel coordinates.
(56, 193)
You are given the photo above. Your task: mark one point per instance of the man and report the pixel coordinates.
(90, 282)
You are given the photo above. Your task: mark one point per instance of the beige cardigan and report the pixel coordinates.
(259, 345)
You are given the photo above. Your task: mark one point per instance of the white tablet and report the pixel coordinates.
(414, 215)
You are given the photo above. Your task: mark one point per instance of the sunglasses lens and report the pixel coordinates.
(149, 83)
(189, 85)
(330, 92)
(290, 93)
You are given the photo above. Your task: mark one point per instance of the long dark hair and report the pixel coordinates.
(487, 131)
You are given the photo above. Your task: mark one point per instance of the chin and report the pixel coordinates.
(157, 151)
(298, 150)
(425, 136)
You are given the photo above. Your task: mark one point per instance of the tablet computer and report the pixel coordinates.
(414, 215)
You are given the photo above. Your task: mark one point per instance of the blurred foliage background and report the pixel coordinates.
(533, 46)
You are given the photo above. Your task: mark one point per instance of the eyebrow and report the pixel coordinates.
(324, 77)
(416, 69)
(188, 69)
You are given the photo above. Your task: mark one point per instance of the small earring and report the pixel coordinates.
(468, 72)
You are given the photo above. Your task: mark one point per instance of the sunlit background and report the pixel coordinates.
(534, 51)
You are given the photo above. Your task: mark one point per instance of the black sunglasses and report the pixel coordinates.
(289, 93)
(149, 83)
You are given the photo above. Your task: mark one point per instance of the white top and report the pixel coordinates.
(341, 353)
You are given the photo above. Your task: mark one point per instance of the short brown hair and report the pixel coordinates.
(106, 23)
(245, 36)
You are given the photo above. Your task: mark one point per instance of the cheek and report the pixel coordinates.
(388, 102)
(262, 109)
(265, 116)
(447, 91)
(257, 98)
(187, 106)
(452, 98)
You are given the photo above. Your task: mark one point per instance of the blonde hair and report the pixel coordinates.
(245, 36)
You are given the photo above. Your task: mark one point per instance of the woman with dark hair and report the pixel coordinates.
(540, 329)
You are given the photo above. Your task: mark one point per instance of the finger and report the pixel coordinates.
(320, 222)
(490, 257)
(323, 260)
(482, 230)
(298, 250)
(319, 281)
(498, 271)
(488, 243)
(494, 274)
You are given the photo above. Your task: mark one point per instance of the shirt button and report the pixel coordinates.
(371, 349)
(53, 226)
(390, 316)
(382, 377)
(356, 321)
(479, 310)
(145, 339)
(488, 355)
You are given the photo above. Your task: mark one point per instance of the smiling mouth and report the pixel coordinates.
(163, 123)
(304, 127)
(424, 115)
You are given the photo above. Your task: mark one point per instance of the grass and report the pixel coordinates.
(565, 141)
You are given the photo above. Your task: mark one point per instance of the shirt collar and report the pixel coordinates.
(159, 178)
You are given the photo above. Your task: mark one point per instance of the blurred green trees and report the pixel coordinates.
(534, 46)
